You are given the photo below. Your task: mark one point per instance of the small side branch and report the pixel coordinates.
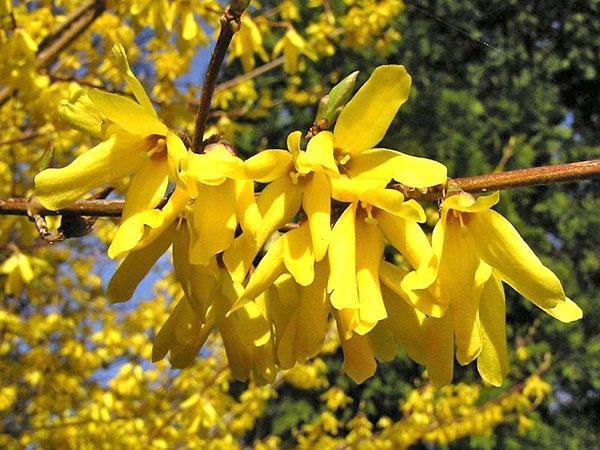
(230, 23)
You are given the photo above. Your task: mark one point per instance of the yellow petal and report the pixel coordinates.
(215, 166)
(283, 301)
(278, 204)
(458, 289)
(318, 156)
(369, 252)
(439, 344)
(382, 342)
(135, 267)
(390, 165)
(365, 119)
(393, 202)
(406, 325)
(350, 190)
(271, 266)
(500, 245)
(103, 164)
(566, 311)
(407, 237)
(268, 165)
(359, 360)
(465, 202)
(391, 276)
(492, 362)
(312, 311)
(176, 154)
(293, 143)
(342, 260)
(147, 187)
(298, 255)
(157, 221)
(145, 192)
(199, 283)
(247, 212)
(132, 82)
(127, 114)
(316, 202)
(239, 256)
(214, 221)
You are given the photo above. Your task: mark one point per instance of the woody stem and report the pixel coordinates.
(533, 176)
(230, 23)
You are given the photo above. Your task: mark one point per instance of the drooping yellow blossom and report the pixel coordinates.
(136, 143)
(246, 43)
(292, 45)
(19, 272)
(474, 248)
(357, 245)
(298, 176)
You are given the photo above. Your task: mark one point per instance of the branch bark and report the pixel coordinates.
(230, 23)
(534, 176)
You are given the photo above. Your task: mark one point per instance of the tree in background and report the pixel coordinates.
(494, 87)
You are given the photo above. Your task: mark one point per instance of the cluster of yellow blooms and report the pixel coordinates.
(275, 313)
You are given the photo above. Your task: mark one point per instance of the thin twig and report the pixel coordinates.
(230, 23)
(28, 136)
(534, 176)
(250, 75)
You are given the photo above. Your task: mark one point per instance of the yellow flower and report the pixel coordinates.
(213, 194)
(303, 177)
(137, 143)
(295, 178)
(19, 271)
(474, 248)
(247, 42)
(293, 45)
(357, 245)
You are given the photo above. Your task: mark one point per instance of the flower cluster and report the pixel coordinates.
(333, 198)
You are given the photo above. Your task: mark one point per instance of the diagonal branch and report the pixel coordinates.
(230, 23)
(534, 176)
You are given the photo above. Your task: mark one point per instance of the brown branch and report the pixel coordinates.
(230, 23)
(533, 176)
(79, 20)
(28, 136)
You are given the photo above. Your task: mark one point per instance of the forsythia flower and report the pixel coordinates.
(449, 295)
(474, 249)
(247, 42)
(293, 45)
(137, 143)
(19, 271)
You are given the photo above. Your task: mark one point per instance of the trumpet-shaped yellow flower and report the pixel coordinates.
(303, 177)
(137, 144)
(297, 178)
(357, 245)
(473, 249)
(209, 293)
